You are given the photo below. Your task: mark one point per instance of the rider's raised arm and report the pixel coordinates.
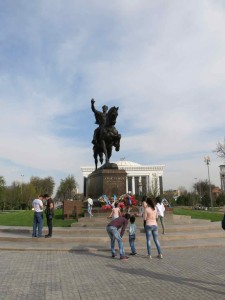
(93, 106)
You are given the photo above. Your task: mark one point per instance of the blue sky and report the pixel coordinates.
(161, 62)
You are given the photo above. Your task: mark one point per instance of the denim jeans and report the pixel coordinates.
(90, 210)
(153, 229)
(38, 223)
(131, 241)
(115, 235)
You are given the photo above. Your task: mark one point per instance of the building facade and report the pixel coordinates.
(140, 180)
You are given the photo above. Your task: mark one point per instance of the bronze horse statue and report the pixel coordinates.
(107, 137)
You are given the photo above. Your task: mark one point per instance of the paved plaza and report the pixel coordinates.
(182, 274)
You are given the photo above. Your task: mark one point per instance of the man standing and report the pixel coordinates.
(37, 205)
(49, 211)
(160, 210)
(113, 232)
(90, 205)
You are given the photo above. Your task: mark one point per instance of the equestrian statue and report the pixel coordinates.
(105, 135)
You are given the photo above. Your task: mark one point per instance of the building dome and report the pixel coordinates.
(127, 163)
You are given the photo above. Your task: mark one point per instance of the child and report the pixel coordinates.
(132, 233)
(116, 213)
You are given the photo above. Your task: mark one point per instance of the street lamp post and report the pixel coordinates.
(196, 189)
(207, 161)
(21, 185)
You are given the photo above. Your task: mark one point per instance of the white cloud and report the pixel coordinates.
(161, 62)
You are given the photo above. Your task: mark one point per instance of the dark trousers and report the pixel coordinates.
(49, 223)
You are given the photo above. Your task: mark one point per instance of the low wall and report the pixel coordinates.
(72, 209)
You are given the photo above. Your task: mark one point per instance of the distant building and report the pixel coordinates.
(222, 177)
(141, 179)
(216, 191)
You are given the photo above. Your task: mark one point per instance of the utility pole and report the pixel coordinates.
(207, 161)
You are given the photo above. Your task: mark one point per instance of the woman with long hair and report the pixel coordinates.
(151, 228)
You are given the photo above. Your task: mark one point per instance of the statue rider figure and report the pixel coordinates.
(100, 118)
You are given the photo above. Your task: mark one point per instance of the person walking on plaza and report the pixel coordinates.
(116, 213)
(113, 232)
(90, 205)
(160, 210)
(49, 212)
(151, 228)
(132, 235)
(37, 205)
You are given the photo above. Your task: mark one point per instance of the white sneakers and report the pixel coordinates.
(160, 256)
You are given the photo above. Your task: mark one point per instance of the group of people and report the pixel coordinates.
(153, 209)
(42, 204)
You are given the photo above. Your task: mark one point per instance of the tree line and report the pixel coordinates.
(199, 196)
(20, 195)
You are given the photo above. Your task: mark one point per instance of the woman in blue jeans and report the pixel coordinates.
(151, 228)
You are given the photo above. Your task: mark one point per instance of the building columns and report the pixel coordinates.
(133, 185)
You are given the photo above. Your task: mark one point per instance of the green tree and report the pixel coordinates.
(220, 200)
(66, 189)
(28, 195)
(13, 196)
(42, 186)
(206, 200)
(202, 188)
(2, 192)
(182, 200)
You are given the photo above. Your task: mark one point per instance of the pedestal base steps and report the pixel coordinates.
(90, 235)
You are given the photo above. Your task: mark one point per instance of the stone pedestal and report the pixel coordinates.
(106, 181)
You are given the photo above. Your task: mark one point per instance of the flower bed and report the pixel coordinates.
(124, 200)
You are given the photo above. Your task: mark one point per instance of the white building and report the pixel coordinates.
(141, 179)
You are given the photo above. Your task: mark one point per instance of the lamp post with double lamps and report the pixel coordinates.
(21, 184)
(207, 161)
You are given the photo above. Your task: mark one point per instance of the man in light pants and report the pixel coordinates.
(90, 205)
(160, 210)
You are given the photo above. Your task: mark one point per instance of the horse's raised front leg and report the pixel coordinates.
(117, 142)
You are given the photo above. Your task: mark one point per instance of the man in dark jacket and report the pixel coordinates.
(49, 211)
(113, 232)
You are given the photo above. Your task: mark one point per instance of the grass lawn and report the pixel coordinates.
(25, 218)
(199, 214)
